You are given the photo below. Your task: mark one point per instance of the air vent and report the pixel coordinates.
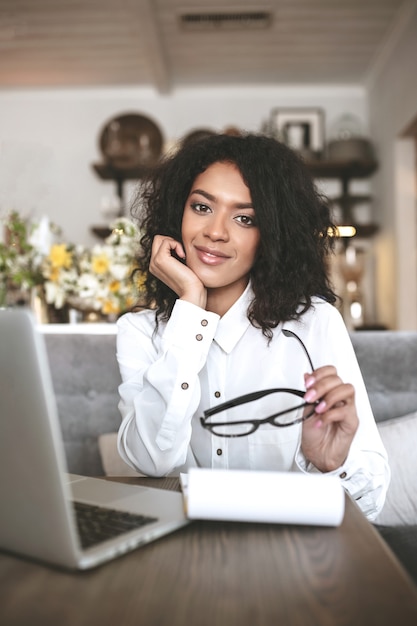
(242, 20)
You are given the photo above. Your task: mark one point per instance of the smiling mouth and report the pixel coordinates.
(211, 257)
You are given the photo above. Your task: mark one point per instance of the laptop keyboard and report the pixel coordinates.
(97, 524)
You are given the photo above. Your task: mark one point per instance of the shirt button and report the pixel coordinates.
(184, 386)
(219, 451)
(217, 394)
(204, 322)
(199, 337)
(342, 475)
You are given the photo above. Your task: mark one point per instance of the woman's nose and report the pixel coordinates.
(216, 228)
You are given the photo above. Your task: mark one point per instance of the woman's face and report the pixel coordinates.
(219, 230)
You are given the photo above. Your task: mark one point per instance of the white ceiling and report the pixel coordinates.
(54, 43)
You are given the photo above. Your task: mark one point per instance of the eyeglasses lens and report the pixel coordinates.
(279, 409)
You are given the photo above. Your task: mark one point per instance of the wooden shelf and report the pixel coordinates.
(352, 199)
(107, 171)
(345, 171)
(342, 169)
(119, 175)
(364, 231)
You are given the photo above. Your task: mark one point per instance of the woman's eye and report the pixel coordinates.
(199, 207)
(246, 220)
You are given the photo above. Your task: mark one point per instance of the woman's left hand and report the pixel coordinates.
(328, 434)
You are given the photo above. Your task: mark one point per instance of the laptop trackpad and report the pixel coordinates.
(103, 492)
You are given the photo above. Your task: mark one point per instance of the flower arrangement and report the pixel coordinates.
(98, 279)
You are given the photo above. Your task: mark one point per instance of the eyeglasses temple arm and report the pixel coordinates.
(249, 397)
(290, 333)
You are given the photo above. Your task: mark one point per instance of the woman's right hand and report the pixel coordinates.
(175, 274)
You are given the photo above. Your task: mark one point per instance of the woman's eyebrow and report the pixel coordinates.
(206, 195)
(209, 196)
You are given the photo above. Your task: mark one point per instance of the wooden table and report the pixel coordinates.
(223, 574)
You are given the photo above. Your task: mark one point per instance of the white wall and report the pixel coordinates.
(49, 138)
(392, 107)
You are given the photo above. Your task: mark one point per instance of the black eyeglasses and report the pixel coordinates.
(290, 411)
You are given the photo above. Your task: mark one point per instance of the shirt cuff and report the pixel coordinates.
(190, 328)
(345, 472)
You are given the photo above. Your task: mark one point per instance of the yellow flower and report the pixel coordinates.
(110, 307)
(114, 286)
(59, 256)
(100, 263)
(54, 274)
(130, 301)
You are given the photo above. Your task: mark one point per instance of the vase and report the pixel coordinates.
(46, 313)
(87, 312)
(39, 305)
(93, 317)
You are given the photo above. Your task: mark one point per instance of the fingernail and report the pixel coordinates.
(310, 395)
(309, 381)
(321, 407)
(318, 424)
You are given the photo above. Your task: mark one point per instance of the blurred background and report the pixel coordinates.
(93, 92)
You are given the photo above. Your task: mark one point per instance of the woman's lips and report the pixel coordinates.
(211, 257)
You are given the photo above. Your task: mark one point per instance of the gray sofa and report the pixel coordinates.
(86, 377)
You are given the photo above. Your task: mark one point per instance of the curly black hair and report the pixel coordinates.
(296, 230)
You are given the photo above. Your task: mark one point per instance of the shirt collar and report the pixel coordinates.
(234, 322)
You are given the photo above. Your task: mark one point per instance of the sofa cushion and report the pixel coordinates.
(387, 360)
(399, 436)
(111, 461)
(85, 376)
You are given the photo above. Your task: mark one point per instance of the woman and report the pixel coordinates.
(235, 246)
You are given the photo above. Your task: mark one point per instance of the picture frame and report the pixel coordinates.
(302, 129)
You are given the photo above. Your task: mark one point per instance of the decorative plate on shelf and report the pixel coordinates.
(131, 140)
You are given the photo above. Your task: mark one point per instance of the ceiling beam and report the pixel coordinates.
(383, 53)
(152, 42)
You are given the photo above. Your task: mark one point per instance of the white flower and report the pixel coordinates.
(88, 286)
(42, 236)
(55, 295)
(120, 271)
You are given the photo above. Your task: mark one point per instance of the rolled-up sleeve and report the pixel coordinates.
(160, 388)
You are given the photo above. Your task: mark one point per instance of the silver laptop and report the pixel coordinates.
(44, 509)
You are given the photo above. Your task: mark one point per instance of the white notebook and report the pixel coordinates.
(255, 496)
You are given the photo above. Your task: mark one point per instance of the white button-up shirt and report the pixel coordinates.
(197, 360)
